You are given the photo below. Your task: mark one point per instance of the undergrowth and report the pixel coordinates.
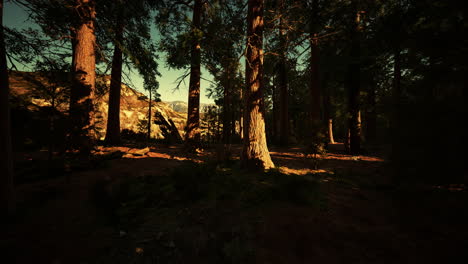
(206, 211)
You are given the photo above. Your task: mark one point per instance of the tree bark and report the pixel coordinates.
(7, 202)
(371, 114)
(192, 133)
(255, 154)
(113, 119)
(353, 81)
(82, 134)
(283, 83)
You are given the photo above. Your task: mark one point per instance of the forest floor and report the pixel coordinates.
(175, 207)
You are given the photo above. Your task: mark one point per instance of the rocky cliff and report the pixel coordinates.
(34, 91)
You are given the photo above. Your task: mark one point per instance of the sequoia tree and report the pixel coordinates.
(255, 154)
(84, 78)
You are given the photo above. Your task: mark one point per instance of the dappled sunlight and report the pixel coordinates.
(304, 171)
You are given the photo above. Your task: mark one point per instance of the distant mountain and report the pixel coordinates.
(181, 106)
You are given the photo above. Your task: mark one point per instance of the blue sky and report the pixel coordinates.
(16, 17)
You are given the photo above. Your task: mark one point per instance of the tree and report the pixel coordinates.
(113, 119)
(192, 133)
(283, 79)
(6, 163)
(255, 154)
(84, 78)
(353, 86)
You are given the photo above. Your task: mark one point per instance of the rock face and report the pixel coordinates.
(33, 91)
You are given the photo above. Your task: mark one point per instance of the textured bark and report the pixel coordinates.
(353, 82)
(7, 202)
(255, 154)
(283, 83)
(192, 133)
(84, 77)
(113, 120)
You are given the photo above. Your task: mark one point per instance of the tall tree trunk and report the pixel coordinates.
(395, 122)
(7, 202)
(149, 115)
(255, 154)
(275, 134)
(227, 104)
(192, 133)
(84, 77)
(354, 123)
(371, 114)
(113, 119)
(314, 83)
(283, 82)
(241, 112)
(314, 70)
(327, 107)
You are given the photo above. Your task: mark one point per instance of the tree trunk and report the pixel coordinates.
(371, 114)
(192, 133)
(354, 123)
(149, 115)
(314, 83)
(275, 135)
(82, 134)
(227, 105)
(241, 113)
(255, 154)
(113, 119)
(7, 202)
(395, 122)
(327, 107)
(283, 83)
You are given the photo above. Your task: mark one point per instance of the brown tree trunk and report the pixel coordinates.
(241, 113)
(283, 83)
(192, 133)
(275, 135)
(327, 107)
(113, 119)
(227, 104)
(7, 202)
(371, 114)
(149, 116)
(82, 134)
(255, 154)
(314, 82)
(354, 123)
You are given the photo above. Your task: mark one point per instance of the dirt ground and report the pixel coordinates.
(366, 219)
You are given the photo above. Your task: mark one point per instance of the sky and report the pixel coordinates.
(15, 17)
